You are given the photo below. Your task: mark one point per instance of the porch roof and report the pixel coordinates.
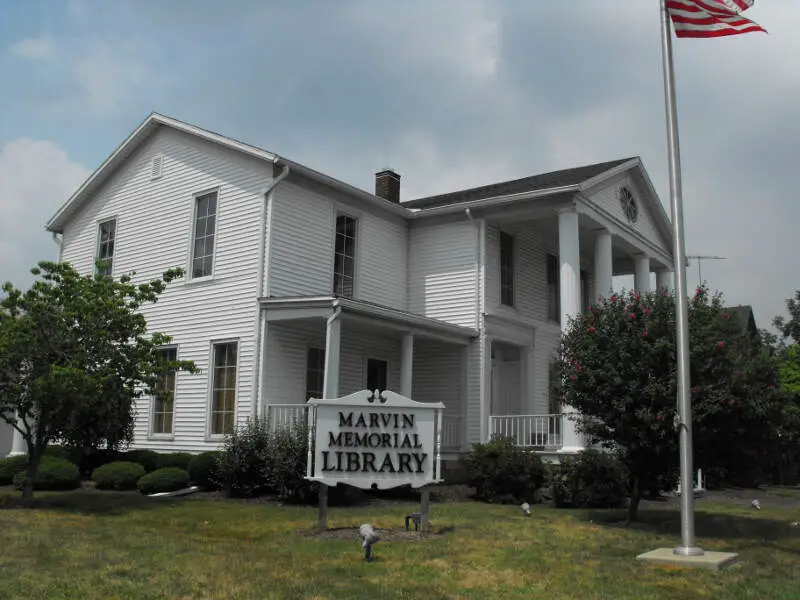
(309, 307)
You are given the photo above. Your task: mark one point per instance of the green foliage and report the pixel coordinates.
(75, 354)
(592, 479)
(503, 473)
(203, 469)
(149, 459)
(617, 366)
(287, 462)
(789, 368)
(11, 466)
(174, 459)
(168, 479)
(88, 459)
(244, 464)
(120, 475)
(53, 474)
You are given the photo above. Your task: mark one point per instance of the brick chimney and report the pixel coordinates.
(387, 185)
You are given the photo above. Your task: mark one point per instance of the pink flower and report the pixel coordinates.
(638, 296)
(666, 294)
(725, 316)
(646, 311)
(644, 334)
(613, 298)
(572, 377)
(720, 344)
(632, 316)
(740, 373)
(658, 417)
(732, 402)
(591, 330)
(772, 387)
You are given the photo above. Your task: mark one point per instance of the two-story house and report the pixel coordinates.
(299, 285)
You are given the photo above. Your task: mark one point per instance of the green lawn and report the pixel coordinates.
(86, 545)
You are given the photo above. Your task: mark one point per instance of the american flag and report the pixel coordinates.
(710, 18)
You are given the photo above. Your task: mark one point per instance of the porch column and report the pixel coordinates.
(407, 365)
(529, 378)
(641, 277)
(603, 265)
(485, 354)
(18, 445)
(665, 281)
(332, 348)
(570, 287)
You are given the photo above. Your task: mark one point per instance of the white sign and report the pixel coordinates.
(376, 440)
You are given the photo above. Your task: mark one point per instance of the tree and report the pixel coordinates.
(617, 367)
(75, 353)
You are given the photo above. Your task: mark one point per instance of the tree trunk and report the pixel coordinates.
(633, 507)
(33, 470)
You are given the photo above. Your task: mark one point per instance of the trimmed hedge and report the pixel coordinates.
(54, 474)
(9, 467)
(592, 479)
(203, 469)
(120, 475)
(503, 473)
(174, 459)
(147, 458)
(168, 479)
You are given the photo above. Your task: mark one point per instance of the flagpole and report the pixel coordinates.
(687, 547)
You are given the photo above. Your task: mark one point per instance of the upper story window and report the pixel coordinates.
(553, 289)
(506, 269)
(344, 265)
(205, 221)
(105, 246)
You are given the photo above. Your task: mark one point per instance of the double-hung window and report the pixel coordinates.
(164, 397)
(315, 373)
(223, 388)
(553, 289)
(344, 264)
(506, 269)
(107, 235)
(205, 221)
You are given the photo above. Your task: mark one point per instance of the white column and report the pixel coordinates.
(569, 254)
(332, 349)
(18, 445)
(486, 384)
(407, 365)
(665, 281)
(641, 276)
(603, 265)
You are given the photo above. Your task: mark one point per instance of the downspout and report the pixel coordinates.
(480, 277)
(59, 243)
(265, 228)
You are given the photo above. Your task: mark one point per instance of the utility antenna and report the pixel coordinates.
(700, 259)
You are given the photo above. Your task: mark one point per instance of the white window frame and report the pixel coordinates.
(190, 254)
(100, 223)
(151, 433)
(210, 436)
(356, 251)
(385, 359)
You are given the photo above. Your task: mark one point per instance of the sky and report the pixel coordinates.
(449, 93)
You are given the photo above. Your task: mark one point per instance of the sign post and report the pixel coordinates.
(373, 440)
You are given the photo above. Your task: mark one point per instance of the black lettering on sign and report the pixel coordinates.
(373, 419)
(353, 462)
(368, 464)
(420, 460)
(408, 421)
(386, 440)
(387, 464)
(360, 422)
(404, 458)
(334, 440)
(345, 421)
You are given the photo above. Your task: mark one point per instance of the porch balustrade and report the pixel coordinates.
(539, 432)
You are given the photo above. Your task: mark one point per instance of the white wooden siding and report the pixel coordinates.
(154, 233)
(442, 272)
(438, 375)
(607, 198)
(302, 249)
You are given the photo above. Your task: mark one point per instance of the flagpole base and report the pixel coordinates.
(688, 551)
(715, 561)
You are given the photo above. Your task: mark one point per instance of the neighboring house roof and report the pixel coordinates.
(746, 317)
(544, 181)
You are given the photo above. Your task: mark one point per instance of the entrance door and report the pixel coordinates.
(506, 387)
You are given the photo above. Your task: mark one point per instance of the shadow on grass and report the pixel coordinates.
(707, 524)
(82, 502)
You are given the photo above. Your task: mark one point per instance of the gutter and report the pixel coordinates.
(265, 226)
(59, 243)
(495, 201)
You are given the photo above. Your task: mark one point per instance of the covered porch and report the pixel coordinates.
(330, 347)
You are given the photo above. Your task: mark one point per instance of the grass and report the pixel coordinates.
(88, 545)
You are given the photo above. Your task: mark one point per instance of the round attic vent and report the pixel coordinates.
(629, 205)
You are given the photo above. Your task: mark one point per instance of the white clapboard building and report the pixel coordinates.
(299, 285)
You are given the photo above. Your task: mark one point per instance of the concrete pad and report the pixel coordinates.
(707, 560)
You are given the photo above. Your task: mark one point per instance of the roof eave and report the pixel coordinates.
(493, 201)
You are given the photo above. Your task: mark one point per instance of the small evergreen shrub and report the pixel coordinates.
(503, 473)
(286, 465)
(58, 452)
(174, 459)
(88, 459)
(592, 479)
(147, 458)
(120, 475)
(203, 469)
(54, 474)
(244, 465)
(9, 467)
(168, 479)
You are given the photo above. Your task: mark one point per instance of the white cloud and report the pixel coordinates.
(35, 179)
(38, 48)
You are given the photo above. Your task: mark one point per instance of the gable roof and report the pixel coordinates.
(746, 317)
(543, 181)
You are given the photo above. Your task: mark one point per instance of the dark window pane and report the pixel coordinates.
(376, 374)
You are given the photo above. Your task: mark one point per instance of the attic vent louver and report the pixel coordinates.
(156, 166)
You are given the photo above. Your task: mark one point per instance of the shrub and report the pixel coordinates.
(58, 452)
(121, 475)
(147, 458)
(286, 466)
(592, 479)
(203, 469)
(174, 459)
(54, 474)
(168, 479)
(243, 470)
(503, 473)
(11, 466)
(88, 459)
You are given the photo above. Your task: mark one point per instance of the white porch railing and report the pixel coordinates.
(541, 432)
(281, 415)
